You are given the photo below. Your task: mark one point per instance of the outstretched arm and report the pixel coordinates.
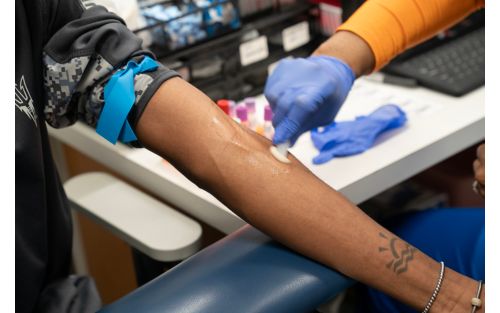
(181, 124)
(287, 201)
(380, 29)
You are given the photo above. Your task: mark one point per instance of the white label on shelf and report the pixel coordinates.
(254, 51)
(296, 36)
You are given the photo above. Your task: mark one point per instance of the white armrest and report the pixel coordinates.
(148, 225)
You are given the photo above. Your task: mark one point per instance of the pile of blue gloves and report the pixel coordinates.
(307, 93)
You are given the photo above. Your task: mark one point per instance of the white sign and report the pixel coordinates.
(296, 36)
(254, 51)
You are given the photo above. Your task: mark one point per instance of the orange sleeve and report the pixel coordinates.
(392, 26)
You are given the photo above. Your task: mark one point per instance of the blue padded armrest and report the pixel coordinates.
(244, 272)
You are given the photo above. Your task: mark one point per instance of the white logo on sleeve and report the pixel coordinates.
(24, 102)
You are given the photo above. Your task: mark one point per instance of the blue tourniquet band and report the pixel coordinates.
(119, 98)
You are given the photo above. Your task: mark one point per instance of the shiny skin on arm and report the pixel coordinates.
(287, 201)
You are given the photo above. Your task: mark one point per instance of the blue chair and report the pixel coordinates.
(242, 273)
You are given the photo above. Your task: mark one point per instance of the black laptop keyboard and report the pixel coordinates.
(455, 67)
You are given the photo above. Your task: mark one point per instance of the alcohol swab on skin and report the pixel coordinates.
(280, 152)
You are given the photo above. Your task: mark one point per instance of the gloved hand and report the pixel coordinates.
(306, 93)
(353, 137)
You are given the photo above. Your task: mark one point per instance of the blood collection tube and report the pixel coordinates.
(250, 104)
(268, 125)
(259, 129)
(232, 108)
(242, 114)
(224, 105)
(252, 118)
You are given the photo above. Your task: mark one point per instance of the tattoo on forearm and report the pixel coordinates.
(400, 258)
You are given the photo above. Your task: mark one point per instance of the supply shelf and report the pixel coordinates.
(215, 65)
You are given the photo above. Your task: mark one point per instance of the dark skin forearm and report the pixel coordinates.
(286, 200)
(351, 49)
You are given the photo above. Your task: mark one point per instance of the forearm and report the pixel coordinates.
(388, 27)
(351, 49)
(285, 200)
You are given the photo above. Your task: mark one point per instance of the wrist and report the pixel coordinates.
(456, 294)
(333, 64)
(351, 49)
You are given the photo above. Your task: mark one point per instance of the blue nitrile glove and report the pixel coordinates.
(353, 137)
(306, 93)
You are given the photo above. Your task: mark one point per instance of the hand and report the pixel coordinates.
(306, 93)
(479, 170)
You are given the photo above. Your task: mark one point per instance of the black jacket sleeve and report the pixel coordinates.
(80, 58)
